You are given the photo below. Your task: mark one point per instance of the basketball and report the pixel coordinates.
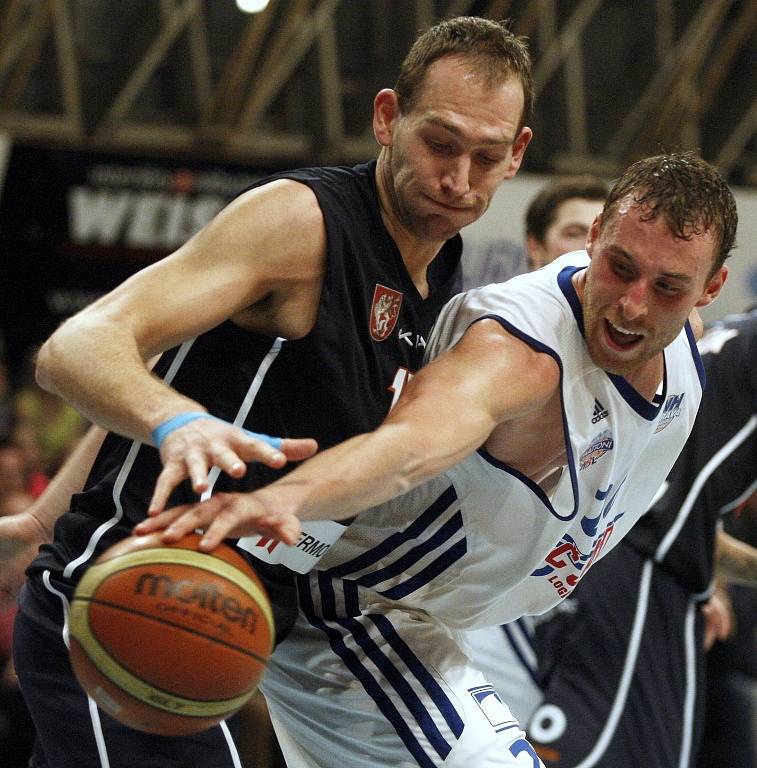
(167, 639)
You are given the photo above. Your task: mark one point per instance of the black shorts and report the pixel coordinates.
(71, 731)
(621, 670)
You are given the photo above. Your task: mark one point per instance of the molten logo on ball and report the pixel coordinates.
(205, 596)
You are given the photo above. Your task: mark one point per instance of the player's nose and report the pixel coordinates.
(634, 301)
(456, 176)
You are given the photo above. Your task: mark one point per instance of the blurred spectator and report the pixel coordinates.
(16, 729)
(13, 469)
(24, 437)
(6, 402)
(55, 424)
(557, 221)
(559, 217)
(495, 261)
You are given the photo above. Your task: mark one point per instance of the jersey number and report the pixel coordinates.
(401, 380)
(521, 745)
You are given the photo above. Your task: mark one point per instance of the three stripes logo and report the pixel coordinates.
(600, 412)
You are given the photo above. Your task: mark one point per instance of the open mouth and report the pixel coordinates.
(621, 338)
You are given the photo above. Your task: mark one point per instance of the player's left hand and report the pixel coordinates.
(222, 516)
(190, 451)
(20, 536)
(719, 619)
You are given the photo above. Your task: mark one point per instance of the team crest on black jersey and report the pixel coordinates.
(385, 310)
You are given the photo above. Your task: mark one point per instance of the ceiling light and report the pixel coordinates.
(252, 6)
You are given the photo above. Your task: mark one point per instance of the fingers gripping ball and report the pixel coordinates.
(167, 639)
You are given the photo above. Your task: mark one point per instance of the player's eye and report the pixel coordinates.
(667, 288)
(439, 147)
(621, 270)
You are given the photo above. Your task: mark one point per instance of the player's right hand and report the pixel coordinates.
(193, 449)
(226, 515)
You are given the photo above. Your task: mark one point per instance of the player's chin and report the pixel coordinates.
(440, 227)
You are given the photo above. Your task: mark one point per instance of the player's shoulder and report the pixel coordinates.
(542, 295)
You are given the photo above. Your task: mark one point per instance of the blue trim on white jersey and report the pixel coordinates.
(695, 354)
(565, 282)
(539, 346)
(646, 409)
(429, 573)
(525, 479)
(419, 550)
(349, 628)
(517, 635)
(411, 557)
(421, 523)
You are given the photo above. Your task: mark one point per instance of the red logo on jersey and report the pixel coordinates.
(268, 543)
(385, 310)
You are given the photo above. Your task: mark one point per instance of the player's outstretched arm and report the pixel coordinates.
(448, 411)
(259, 263)
(21, 534)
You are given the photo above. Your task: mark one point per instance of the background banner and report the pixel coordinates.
(74, 225)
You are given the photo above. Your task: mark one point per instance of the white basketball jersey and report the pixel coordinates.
(482, 544)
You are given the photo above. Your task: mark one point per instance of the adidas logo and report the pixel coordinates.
(600, 412)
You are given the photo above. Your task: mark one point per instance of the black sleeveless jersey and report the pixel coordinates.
(340, 380)
(717, 469)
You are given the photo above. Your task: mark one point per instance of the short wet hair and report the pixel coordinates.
(490, 46)
(688, 191)
(542, 209)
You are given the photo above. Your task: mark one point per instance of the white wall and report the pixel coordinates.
(505, 219)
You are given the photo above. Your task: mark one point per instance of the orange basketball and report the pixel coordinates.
(167, 639)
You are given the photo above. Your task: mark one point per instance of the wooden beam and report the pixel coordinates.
(155, 54)
(566, 41)
(240, 65)
(264, 93)
(199, 57)
(47, 127)
(709, 14)
(719, 68)
(330, 82)
(24, 51)
(264, 78)
(68, 69)
(736, 143)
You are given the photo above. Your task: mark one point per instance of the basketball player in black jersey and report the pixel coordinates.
(300, 311)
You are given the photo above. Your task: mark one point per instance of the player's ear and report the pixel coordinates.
(713, 287)
(386, 112)
(537, 253)
(519, 150)
(593, 235)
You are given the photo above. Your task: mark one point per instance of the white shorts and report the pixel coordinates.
(508, 661)
(387, 688)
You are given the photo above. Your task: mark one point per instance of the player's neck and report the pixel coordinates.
(646, 379)
(417, 253)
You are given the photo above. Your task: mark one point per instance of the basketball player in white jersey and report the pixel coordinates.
(558, 220)
(491, 488)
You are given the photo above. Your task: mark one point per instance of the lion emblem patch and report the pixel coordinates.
(385, 310)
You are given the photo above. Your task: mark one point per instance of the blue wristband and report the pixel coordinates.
(161, 432)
